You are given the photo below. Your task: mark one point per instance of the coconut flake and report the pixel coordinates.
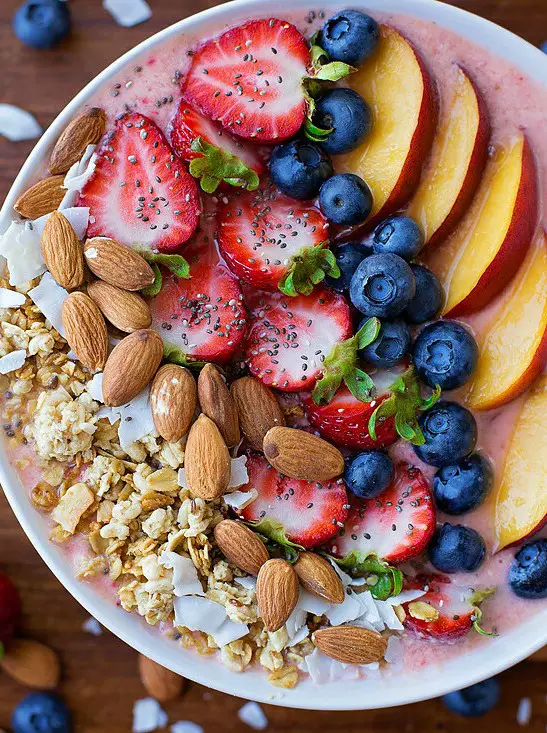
(49, 296)
(136, 419)
(238, 477)
(20, 245)
(16, 124)
(405, 597)
(92, 626)
(185, 575)
(186, 726)
(11, 298)
(128, 12)
(202, 614)
(228, 632)
(252, 715)
(148, 715)
(524, 711)
(78, 216)
(247, 582)
(12, 361)
(238, 500)
(350, 609)
(95, 387)
(394, 651)
(77, 176)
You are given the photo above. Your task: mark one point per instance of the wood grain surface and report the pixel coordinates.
(100, 681)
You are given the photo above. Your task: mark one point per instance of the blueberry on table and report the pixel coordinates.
(528, 571)
(345, 199)
(450, 433)
(428, 299)
(348, 257)
(390, 347)
(456, 549)
(445, 353)
(299, 168)
(349, 36)
(348, 116)
(462, 486)
(474, 701)
(369, 474)
(41, 712)
(42, 23)
(399, 235)
(382, 286)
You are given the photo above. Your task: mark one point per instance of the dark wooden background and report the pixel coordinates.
(100, 679)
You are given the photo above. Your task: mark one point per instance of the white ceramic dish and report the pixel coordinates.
(456, 673)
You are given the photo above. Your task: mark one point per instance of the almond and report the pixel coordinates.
(127, 311)
(319, 577)
(206, 460)
(33, 664)
(351, 644)
(217, 403)
(41, 199)
(85, 330)
(86, 129)
(117, 264)
(173, 400)
(276, 593)
(299, 454)
(160, 683)
(131, 365)
(241, 546)
(257, 408)
(62, 251)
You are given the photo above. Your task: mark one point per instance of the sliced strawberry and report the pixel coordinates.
(289, 338)
(395, 526)
(304, 512)
(203, 317)
(140, 193)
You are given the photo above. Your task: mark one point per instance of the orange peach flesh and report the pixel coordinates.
(521, 502)
(514, 350)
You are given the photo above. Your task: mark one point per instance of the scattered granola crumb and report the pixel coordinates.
(252, 715)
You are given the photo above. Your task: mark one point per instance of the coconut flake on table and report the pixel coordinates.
(128, 13)
(252, 715)
(92, 626)
(78, 216)
(202, 614)
(49, 296)
(524, 711)
(17, 124)
(12, 361)
(238, 470)
(20, 245)
(185, 575)
(186, 726)
(78, 175)
(148, 715)
(11, 298)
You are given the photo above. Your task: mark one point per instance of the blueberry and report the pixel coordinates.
(349, 36)
(399, 235)
(456, 549)
(345, 199)
(348, 258)
(543, 46)
(429, 297)
(41, 712)
(42, 23)
(299, 168)
(462, 486)
(445, 353)
(349, 117)
(382, 286)
(474, 701)
(450, 433)
(369, 474)
(528, 572)
(391, 346)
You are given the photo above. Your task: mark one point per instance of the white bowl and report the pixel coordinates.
(456, 673)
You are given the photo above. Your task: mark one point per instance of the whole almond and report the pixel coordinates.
(86, 129)
(85, 330)
(351, 644)
(127, 311)
(206, 460)
(41, 199)
(173, 400)
(62, 251)
(131, 366)
(117, 264)
(299, 454)
(257, 408)
(217, 403)
(276, 593)
(319, 577)
(241, 546)
(160, 683)
(32, 663)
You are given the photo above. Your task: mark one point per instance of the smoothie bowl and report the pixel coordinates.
(273, 322)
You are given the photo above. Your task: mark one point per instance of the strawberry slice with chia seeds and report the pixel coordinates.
(271, 241)
(140, 193)
(287, 510)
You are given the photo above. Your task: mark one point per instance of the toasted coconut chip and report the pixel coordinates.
(12, 361)
(252, 715)
(128, 12)
(16, 124)
(148, 715)
(72, 505)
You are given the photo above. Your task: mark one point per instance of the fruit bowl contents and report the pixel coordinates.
(273, 344)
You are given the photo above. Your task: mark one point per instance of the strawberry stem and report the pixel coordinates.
(155, 288)
(273, 535)
(308, 268)
(173, 354)
(215, 165)
(389, 579)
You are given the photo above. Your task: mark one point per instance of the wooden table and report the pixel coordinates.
(100, 680)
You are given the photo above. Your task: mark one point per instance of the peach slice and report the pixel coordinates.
(397, 86)
(514, 351)
(488, 247)
(521, 502)
(458, 158)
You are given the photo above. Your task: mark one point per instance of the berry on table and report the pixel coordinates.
(347, 115)
(41, 712)
(428, 299)
(348, 257)
(349, 36)
(528, 571)
(382, 286)
(369, 474)
(474, 701)
(390, 347)
(345, 199)
(456, 549)
(445, 353)
(450, 433)
(399, 235)
(299, 168)
(42, 23)
(462, 486)
(10, 609)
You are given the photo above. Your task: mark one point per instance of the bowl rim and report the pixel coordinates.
(518, 644)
